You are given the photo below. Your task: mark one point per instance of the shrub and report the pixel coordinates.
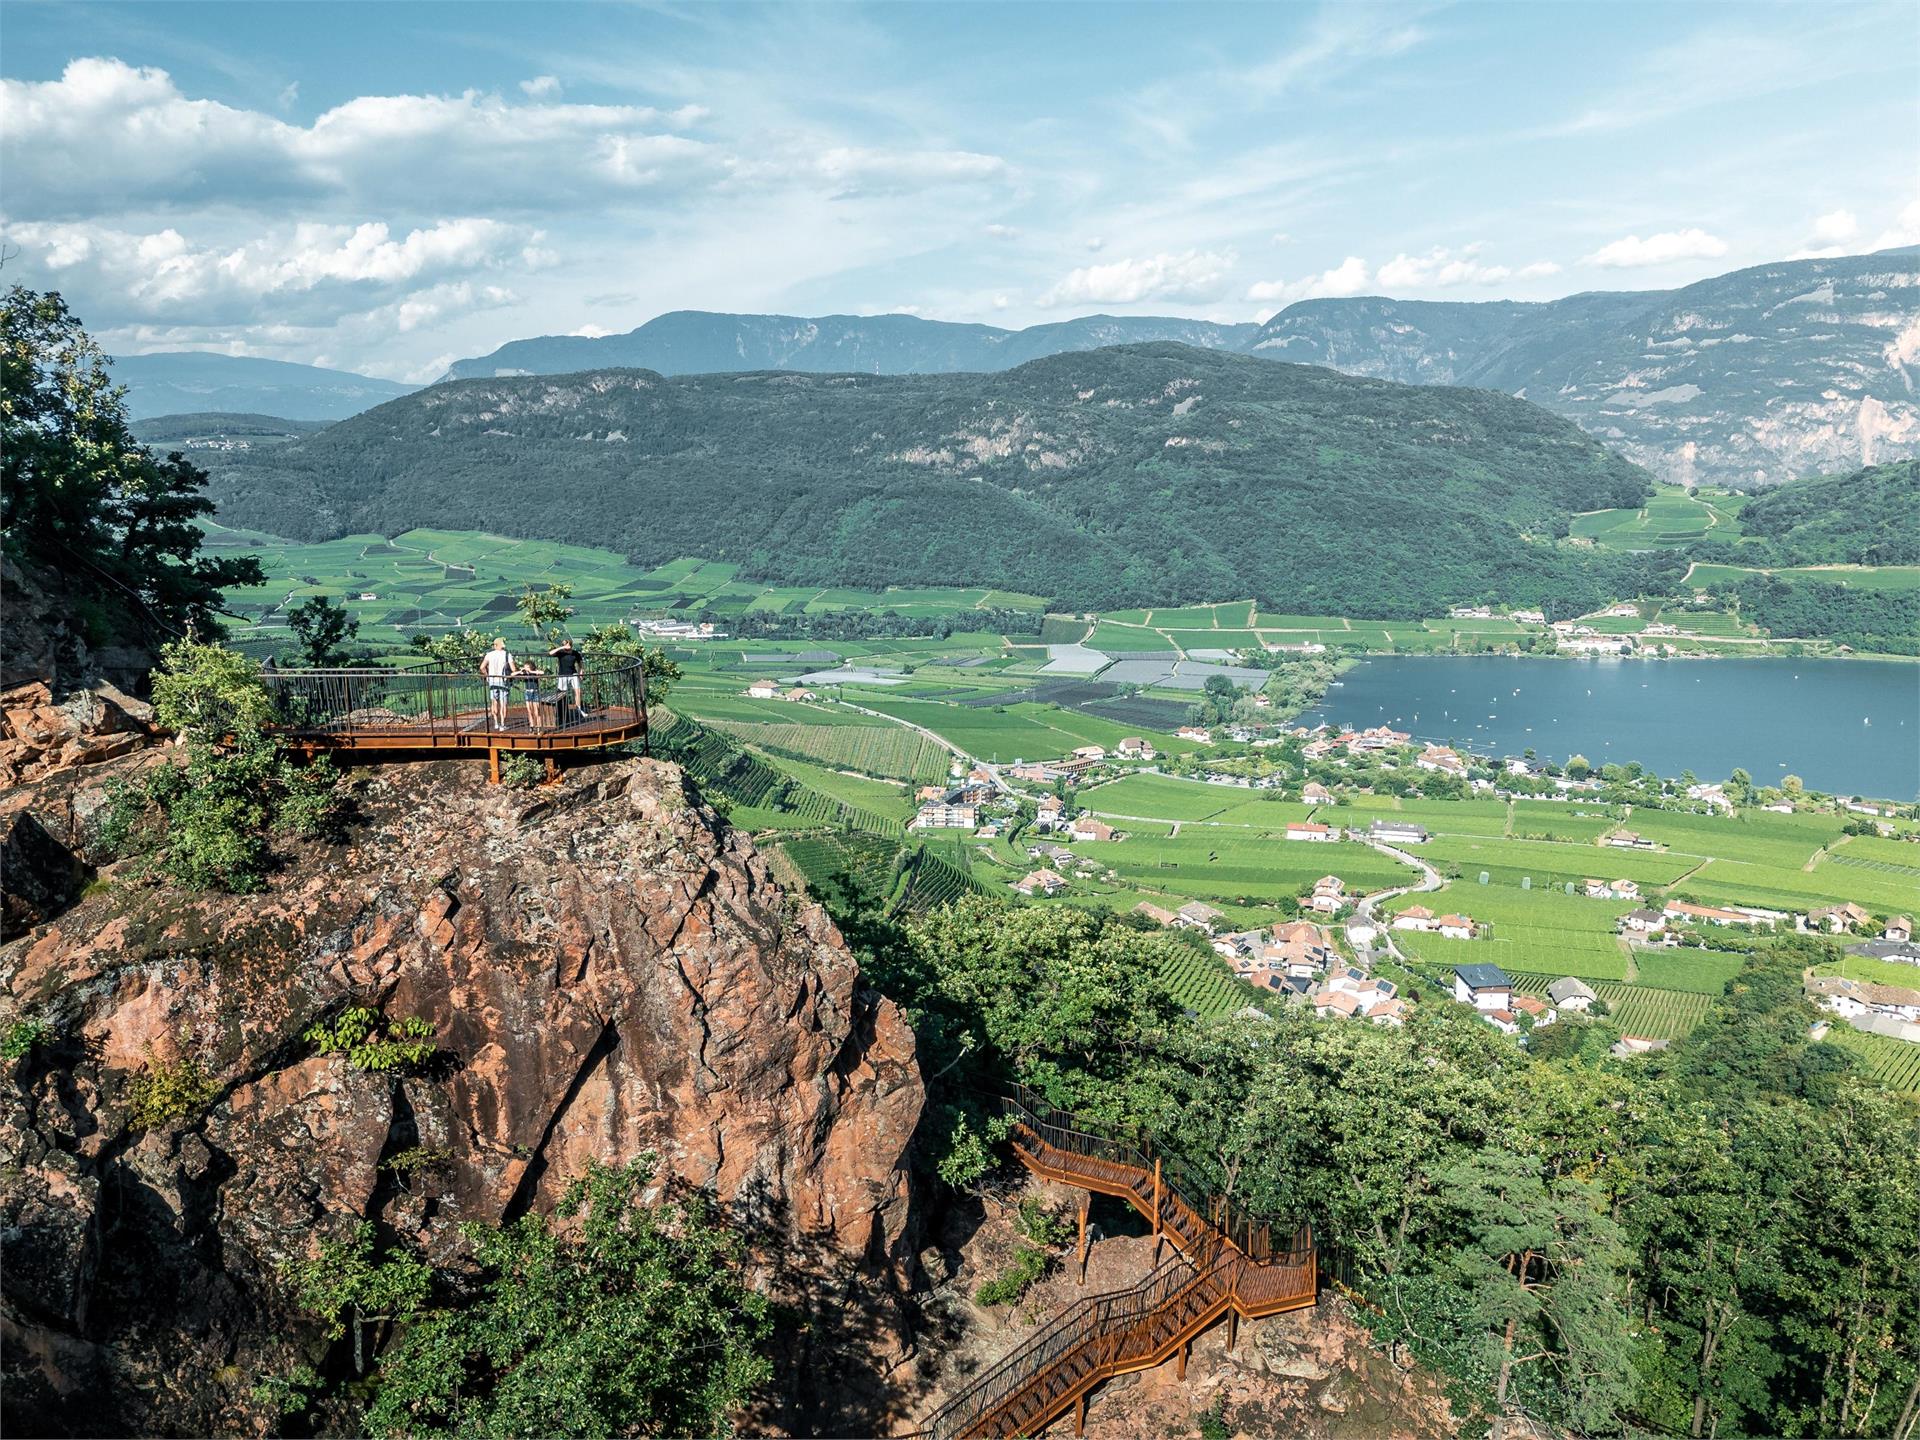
(358, 1034)
(238, 785)
(168, 1090)
(520, 771)
(21, 1036)
(1030, 1265)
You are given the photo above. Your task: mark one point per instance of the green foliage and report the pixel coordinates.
(1040, 1224)
(291, 1394)
(545, 612)
(634, 1320)
(1213, 1421)
(22, 1035)
(238, 785)
(118, 817)
(521, 771)
(346, 1285)
(616, 641)
(320, 630)
(1444, 492)
(1029, 1268)
(167, 1091)
(1868, 517)
(82, 501)
(456, 651)
(359, 1034)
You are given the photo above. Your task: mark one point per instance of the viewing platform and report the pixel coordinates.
(416, 711)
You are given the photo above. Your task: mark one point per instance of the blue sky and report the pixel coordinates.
(389, 187)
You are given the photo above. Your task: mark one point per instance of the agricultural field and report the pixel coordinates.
(1637, 1009)
(1874, 971)
(1247, 866)
(1672, 517)
(1554, 863)
(1201, 982)
(1894, 1063)
(889, 751)
(1865, 577)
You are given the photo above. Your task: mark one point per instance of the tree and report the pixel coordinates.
(1578, 767)
(346, 1286)
(320, 628)
(546, 612)
(1793, 784)
(615, 641)
(81, 497)
(238, 785)
(623, 1319)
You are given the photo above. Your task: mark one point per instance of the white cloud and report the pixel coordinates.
(591, 332)
(310, 269)
(1001, 232)
(1905, 229)
(1349, 277)
(541, 87)
(1001, 302)
(107, 136)
(1281, 237)
(1192, 275)
(1096, 243)
(1442, 268)
(290, 95)
(1630, 251)
(1835, 226)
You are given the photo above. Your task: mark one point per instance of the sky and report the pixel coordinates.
(389, 187)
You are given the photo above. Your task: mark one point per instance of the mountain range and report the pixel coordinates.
(700, 342)
(176, 382)
(1766, 374)
(1127, 475)
(1800, 368)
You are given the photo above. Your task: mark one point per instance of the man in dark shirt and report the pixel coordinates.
(567, 660)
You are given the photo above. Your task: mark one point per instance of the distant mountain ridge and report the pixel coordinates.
(704, 342)
(1766, 374)
(176, 382)
(1147, 474)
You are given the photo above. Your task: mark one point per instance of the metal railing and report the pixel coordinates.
(397, 702)
(1223, 1261)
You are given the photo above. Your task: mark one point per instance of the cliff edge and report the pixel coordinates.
(607, 968)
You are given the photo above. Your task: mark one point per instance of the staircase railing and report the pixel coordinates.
(1223, 1262)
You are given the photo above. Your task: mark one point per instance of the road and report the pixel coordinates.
(1363, 912)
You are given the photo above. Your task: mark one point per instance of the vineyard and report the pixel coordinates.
(761, 796)
(886, 750)
(856, 868)
(1636, 1009)
(933, 881)
(1894, 1063)
(1699, 972)
(1200, 982)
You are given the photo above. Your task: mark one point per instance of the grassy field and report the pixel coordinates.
(1878, 577)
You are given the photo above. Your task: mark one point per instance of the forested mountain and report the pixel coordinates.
(1799, 368)
(1868, 517)
(175, 382)
(699, 342)
(1140, 474)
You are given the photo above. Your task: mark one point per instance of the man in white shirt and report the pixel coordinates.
(497, 666)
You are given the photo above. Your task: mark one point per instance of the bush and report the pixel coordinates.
(168, 1090)
(21, 1036)
(238, 785)
(1030, 1265)
(521, 771)
(357, 1034)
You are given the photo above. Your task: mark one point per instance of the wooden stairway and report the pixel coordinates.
(1223, 1266)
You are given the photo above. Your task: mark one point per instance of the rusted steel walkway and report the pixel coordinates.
(1223, 1267)
(403, 709)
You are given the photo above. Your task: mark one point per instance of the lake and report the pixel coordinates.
(1847, 726)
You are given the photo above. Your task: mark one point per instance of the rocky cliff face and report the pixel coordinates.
(608, 970)
(1768, 374)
